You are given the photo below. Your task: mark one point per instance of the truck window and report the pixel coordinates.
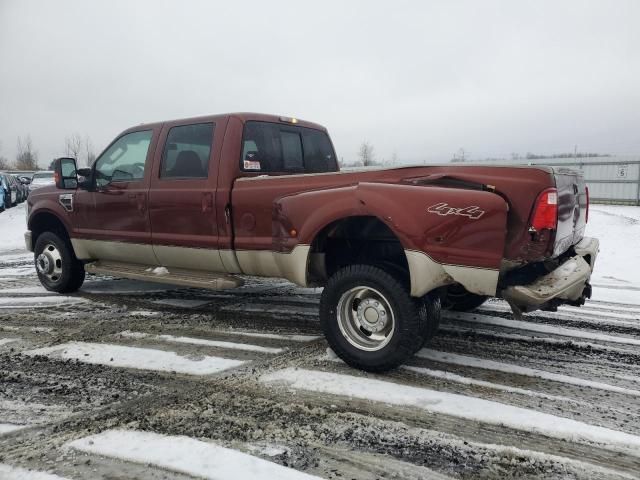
(124, 160)
(276, 148)
(186, 152)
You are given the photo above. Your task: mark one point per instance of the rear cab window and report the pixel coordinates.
(275, 148)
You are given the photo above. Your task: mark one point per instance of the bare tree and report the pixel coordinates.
(80, 148)
(4, 163)
(459, 156)
(27, 157)
(89, 151)
(366, 154)
(73, 145)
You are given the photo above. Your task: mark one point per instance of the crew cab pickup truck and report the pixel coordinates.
(205, 201)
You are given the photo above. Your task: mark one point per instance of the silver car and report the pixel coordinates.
(41, 179)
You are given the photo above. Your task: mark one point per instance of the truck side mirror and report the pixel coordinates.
(84, 178)
(65, 173)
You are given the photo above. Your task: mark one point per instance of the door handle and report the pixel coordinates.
(207, 202)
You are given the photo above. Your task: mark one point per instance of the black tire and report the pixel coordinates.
(459, 299)
(400, 343)
(429, 309)
(71, 270)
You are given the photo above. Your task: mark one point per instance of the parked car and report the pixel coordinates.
(201, 202)
(41, 179)
(10, 190)
(2, 207)
(22, 189)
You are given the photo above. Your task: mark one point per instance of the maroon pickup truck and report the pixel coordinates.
(203, 201)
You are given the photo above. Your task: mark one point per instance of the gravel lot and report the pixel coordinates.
(134, 380)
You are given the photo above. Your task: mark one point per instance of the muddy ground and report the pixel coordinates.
(589, 359)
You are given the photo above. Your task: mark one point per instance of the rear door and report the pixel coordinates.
(182, 196)
(572, 208)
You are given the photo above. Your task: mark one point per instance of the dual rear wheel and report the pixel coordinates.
(371, 322)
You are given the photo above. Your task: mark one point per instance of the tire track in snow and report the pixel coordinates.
(540, 328)
(456, 405)
(485, 364)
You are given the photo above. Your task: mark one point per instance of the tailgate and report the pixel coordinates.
(572, 208)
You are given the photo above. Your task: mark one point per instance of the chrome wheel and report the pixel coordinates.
(49, 263)
(365, 318)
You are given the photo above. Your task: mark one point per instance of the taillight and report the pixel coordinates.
(545, 213)
(586, 217)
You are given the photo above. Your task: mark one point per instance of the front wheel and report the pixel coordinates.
(369, 319)
(57, 266)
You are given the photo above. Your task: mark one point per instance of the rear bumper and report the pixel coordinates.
(568, 283)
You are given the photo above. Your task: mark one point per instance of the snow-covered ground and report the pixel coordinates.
(136, 380)
(13, 224)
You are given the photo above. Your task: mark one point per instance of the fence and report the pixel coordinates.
(614, 179)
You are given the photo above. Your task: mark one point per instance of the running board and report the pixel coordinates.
(173, 276)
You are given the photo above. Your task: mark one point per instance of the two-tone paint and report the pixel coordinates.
(237, 222)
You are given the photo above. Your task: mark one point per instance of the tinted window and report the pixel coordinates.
(124, 160)
(186, 151)
(272, 147)
(291, 151)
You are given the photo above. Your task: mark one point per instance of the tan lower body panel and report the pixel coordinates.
(264, 263)
(114, 251)
(189, 258)
(427, 274)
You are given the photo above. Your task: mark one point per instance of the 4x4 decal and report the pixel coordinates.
(444, 209)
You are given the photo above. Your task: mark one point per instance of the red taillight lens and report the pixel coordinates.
(545, 214)
(56, 178)
(586, 217)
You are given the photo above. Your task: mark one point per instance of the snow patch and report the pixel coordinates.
(158, 271)
(17, 271)
(461, 406)
(273, 336)
(10, 427)
(452, 377)
(201, 341)
(143, 313)
(29, 290)
(7, 472)
(137, 358)
(38, 302)
(4, 341)
(184, 455)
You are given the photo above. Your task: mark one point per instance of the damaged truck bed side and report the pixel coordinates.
(213, 199)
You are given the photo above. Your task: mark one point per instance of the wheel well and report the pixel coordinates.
(46, 222)
(356, 240)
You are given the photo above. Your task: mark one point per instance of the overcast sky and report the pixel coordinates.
(421, 79)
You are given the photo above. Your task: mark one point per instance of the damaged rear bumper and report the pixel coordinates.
(568, 283)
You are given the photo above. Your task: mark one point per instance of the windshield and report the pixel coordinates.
(42, 177)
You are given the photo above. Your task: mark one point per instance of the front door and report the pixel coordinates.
(114, 216)
(182, 197)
